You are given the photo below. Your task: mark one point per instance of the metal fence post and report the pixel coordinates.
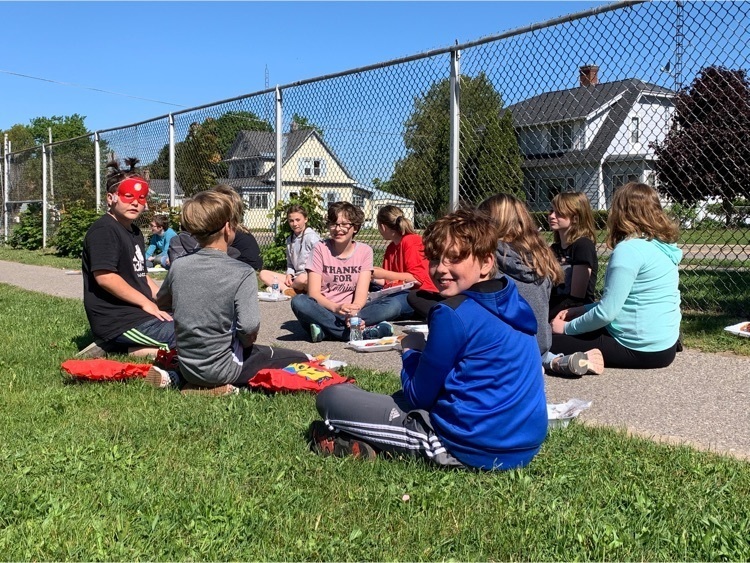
(279, 156)
(44, 195)
(455, 125)
(171, 162)
(6, 158)
(98, 171)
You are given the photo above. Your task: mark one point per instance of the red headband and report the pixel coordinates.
(133, 188)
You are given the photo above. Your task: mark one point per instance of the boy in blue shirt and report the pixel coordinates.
(158, 244)
(472, 393)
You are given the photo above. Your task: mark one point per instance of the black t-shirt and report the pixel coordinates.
(249, 250)
(580, 252)
(110, 246)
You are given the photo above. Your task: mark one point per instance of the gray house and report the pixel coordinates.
(592, 138)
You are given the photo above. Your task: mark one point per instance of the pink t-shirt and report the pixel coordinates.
(339, 277)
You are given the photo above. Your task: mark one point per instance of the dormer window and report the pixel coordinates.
(561, 137)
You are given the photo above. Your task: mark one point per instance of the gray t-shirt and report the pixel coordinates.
(214, 299)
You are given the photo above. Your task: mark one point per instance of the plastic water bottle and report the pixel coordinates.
(355, 329)
(275, 288)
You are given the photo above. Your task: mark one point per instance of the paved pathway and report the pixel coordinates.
(701, 399)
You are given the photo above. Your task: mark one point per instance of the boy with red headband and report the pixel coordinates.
(119, 298)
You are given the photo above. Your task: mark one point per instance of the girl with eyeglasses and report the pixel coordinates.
(339, 271)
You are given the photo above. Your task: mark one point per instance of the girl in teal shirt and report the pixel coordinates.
(636, 324)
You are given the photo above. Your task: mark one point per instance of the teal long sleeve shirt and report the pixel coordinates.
(640, 305)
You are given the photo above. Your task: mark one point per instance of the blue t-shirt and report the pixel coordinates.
(159, 243)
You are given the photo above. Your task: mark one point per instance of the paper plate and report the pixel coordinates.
(421, 329)
(737, 329)
(377, 345)
(265, 296)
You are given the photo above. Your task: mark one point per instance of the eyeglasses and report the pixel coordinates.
(343, 226)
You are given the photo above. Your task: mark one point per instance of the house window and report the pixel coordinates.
(312, 167)
(330, 197)
(257, 201)
(619, 180)
(553, 186)
(358, 200)
(635, 130)
(561, 137)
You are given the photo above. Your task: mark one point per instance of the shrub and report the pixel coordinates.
(28, 233)
(73, 226)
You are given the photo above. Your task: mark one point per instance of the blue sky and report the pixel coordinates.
(193, 53)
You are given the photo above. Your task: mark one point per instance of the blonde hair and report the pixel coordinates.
(238, 205)
(576, 207)
(206, 213)
(636, 211)
(516, 228)
(393, 217)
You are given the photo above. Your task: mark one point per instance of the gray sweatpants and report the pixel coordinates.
(387, 422)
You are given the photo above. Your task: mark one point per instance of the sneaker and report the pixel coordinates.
(93, 350)
(580, 363)
(316, 333)
(325, 442)
(160, 378)
(220, 391)
(594, 362)
(380, 330)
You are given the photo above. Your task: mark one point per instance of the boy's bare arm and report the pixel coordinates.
(117, 286)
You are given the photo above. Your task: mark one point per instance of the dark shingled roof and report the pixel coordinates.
(576, 104)
(262, 144)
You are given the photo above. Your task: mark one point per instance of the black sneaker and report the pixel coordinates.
(325, 442)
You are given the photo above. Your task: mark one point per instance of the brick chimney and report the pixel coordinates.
(589, 75)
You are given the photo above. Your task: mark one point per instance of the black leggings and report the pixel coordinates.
(266, 357)
(615, 354)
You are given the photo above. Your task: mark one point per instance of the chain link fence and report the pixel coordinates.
(655, 92)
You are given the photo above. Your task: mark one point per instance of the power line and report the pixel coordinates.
(89, 88)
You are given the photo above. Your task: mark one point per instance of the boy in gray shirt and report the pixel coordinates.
(214, 299)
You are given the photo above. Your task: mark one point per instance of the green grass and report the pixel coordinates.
(121, 471)
(39, 258)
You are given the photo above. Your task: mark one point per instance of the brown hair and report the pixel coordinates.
(393, 217)
(576, 207)
(517, 229)
(295, 208)
(115, 175)
(206, 213)
(161, 221)
(238, 206)
(463, 233)
(636, 211)
(352, 213)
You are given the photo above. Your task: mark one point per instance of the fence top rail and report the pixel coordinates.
(423, 55)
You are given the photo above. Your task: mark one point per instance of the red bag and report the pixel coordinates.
(104, 370)
(304, 376)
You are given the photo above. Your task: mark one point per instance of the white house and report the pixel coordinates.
(592, 138)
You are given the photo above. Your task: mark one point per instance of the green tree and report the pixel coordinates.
(489, 161)
(72, 170)
(199, 158)
(707, 150)
(301, 122)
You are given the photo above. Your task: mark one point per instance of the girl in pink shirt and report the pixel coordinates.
(339, 271)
